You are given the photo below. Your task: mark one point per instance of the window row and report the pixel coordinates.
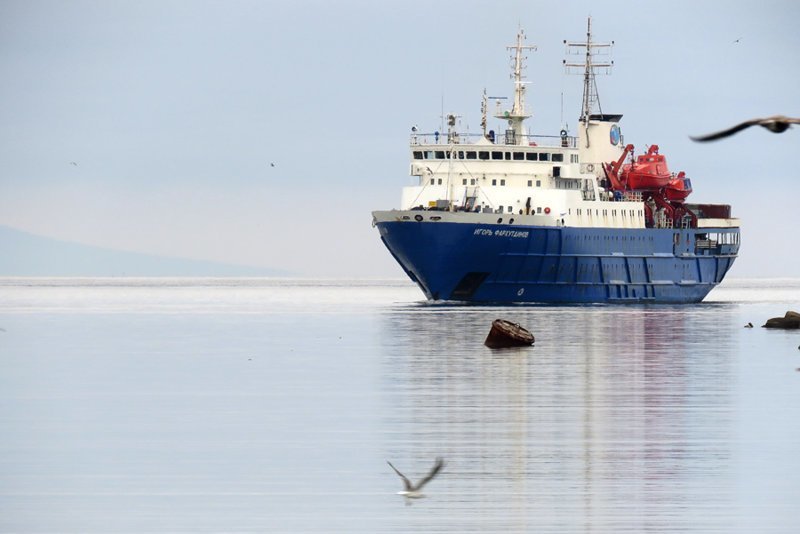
(494, 155)
(631, 213)
(433, 181)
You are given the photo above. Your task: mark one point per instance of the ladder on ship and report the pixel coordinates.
(470, 198)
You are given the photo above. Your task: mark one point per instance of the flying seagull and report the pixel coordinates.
(73, 163)
(271, 164)
(414, 491)
(775, 124)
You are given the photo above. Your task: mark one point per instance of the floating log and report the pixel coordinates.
(790, 321)
(507, 334)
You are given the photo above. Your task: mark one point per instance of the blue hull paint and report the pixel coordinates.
(505, 263)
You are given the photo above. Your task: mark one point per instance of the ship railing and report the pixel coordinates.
(706, 243)
(619, 196)
(453, 138)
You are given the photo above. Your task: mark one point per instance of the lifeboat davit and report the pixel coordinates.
(648, 172)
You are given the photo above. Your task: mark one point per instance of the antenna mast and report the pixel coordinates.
(590, 68)
(484, 107)
(515, 133)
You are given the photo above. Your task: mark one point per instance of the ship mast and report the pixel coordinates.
(517, 114)
(590, 68)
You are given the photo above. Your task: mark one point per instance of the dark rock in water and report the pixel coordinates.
(507, 334)
(790, 321)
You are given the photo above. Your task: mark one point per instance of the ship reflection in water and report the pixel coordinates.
(617, 420)
(191, 405)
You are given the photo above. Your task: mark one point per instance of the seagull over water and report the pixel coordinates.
(414, 491)
(775, 124)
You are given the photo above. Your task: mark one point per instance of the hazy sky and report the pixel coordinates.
(174, 110)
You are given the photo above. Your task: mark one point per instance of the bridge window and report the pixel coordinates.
(532, 156)
(418, 154)
(483, 154)
(464, 181)
(471, 155)
(519, 156)
(497, 155)
(494, 182)
(439, 154)
(508, 155)
(538, 183)
(502, 182)
(530, 183)
(544, 156)
(558, 157)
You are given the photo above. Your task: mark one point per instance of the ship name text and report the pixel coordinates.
(500, 233)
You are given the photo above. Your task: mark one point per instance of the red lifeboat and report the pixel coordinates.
(648, 172)
(678, 188)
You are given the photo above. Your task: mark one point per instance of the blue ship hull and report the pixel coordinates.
(491, 263)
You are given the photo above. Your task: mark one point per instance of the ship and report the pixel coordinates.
(508, 216)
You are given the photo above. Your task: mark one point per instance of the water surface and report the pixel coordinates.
(253, 405)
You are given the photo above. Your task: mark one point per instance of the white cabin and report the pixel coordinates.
(544, 180)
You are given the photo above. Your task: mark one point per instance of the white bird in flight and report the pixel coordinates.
(414, 491)
(775, 124)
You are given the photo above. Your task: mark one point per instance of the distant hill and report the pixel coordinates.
(25, 254)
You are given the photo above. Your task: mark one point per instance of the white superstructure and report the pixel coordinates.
(534, 179)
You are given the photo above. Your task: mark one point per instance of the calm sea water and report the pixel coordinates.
(172, 405)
